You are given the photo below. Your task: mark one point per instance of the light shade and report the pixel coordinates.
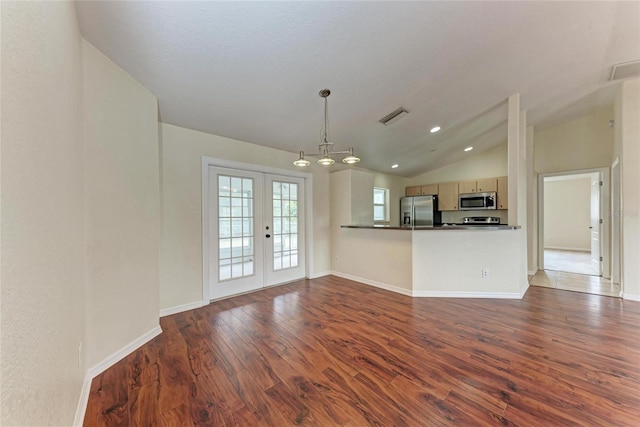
(351, 158)
(326, 161)
(302, 161)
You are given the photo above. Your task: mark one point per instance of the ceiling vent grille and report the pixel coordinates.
(625, 70)
(393, 116)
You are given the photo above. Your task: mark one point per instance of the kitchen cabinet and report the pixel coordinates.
(448, 196)
(503, 192)
(465, 187)
(486, 185)
(422, 190)
(413, 191)
(478, 186)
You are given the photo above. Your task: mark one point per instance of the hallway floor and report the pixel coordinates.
(575, 282)
(569, 261)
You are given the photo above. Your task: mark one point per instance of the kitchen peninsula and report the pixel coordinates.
(442, 261)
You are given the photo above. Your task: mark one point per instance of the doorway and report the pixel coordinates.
(254, 232)
(574, 251)
(571, 221)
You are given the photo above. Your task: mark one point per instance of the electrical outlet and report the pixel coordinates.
(485, 273)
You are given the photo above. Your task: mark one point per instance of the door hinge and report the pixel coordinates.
(601, 183)
(600, 220)
(600, 259)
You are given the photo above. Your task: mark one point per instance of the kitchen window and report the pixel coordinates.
(380, 205)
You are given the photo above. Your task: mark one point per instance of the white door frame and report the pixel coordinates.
(308, 200)
(616, 226)
(606, 224)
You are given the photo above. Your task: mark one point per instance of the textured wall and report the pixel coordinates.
(583, 143)
(487, 164)
(123, 206)
(567, 214)
(43, 241)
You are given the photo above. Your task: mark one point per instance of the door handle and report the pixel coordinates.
(591, 228)
(267, 235)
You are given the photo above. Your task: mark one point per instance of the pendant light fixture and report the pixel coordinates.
(325, 149)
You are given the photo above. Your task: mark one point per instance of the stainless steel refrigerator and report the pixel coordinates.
(419, 211)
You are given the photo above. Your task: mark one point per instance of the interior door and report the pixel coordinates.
(235, 238)
(284, 229)
(596, 265)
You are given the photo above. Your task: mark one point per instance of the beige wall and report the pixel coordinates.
(181, 174)
(583, 143)
(123, 207)
(627, 136)
(487, 164)
(43, 246)
(567, 214)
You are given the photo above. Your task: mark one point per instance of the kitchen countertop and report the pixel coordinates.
(438, 227)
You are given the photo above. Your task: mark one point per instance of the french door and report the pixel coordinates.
(256, 230)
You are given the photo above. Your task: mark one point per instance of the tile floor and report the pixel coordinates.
(575, 282)
(569, 261)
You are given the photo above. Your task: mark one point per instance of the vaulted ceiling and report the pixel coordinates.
(252, 70)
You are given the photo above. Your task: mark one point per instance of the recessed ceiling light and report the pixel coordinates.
(468, 149)
(435, 129)
(394, 166)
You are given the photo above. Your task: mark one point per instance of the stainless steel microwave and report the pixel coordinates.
(477, 201)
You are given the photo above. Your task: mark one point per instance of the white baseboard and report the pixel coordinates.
(445, 294)
(82, 401)
(105, 364)
(631, 297)
(181, 308)
(532, 272)
(380, 285)
(524, 289)
(565, 248)
(320, 274)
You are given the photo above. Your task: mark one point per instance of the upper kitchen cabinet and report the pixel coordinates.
(478, 186)
(466, 187)
(486, 185)
(448, 196)
(503, 192)
(422, 190)
(413, 191)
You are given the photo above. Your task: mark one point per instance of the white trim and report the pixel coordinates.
(435, 294)
(523, 289)
(563, 248)
(494, 295)
(180, 308)
(532, 272)
(124, 351)
(320, 274)
(373, 283)
(83, 401)
(631, 297)
(106, 364)
(212, 161)
(444, 294)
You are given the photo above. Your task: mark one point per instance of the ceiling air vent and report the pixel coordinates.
(394, 116)
(625, 70)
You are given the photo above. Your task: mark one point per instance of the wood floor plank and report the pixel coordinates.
(333, 352)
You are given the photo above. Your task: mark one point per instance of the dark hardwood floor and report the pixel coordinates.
(332, 352)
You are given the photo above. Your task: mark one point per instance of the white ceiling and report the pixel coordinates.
(252, 70)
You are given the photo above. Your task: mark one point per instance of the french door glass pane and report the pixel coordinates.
(285, 225)
(236, 250)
